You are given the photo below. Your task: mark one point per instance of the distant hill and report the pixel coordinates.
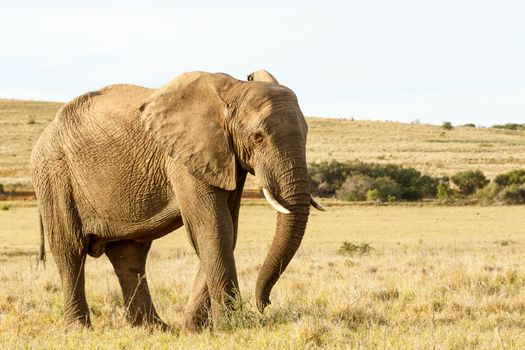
(428, 148)
(21, 122)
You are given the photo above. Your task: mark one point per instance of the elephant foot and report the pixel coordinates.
(195, 323)
(83, 322)
(155, 324)
(161, 326)
(153, 321)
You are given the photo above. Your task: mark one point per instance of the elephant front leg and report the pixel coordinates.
(129, 262)
(197, 313)
(207, 217)
(217, 277)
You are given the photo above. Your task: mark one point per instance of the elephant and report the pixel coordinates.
(124, 165)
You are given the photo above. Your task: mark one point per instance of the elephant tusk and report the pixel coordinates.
(273, 202)
(316, 204)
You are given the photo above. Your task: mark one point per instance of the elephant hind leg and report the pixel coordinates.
(71, 268)
(129, 262)
(63, 230)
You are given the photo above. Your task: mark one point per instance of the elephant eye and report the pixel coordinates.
(257, 137)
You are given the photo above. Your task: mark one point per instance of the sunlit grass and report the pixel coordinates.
(434, 277)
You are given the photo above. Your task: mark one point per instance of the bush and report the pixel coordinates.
(426, 186)
(355, 188)
(469, 125)
(349, 248)
(372, 195)
(488, 193)
(412, 185)
(509, 126)
(508, 188)
(411, 194)
(447, 126)
(386, 187)
(469, 181)
(513, 194)
(327, 177)
(359, 181)
(444, 193)
(514, 177)
(1, 188)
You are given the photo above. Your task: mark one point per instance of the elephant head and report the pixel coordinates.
(220, 128)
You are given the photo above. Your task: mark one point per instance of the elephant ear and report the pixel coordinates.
(188, 120)
(262, 75)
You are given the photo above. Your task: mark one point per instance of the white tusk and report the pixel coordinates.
(273, 202)
(316, 204)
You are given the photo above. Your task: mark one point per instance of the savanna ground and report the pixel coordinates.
(437, 277)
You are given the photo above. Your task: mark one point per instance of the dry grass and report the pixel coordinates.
(436, 278)
(21, 122)
(428, 148)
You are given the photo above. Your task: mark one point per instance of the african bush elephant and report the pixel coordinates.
(124, 165)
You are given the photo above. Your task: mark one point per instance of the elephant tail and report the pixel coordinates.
(42, 250)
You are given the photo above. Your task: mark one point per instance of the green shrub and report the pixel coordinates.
(412, 185)
(507, 188)
(239, 316)
(513, 194)
(372, 195)
(444, 192)
(469, 125)
(385, 187)
(509, 126)
(327, 177)
(355, 188)
(469, 181)
(349, 248)
(447, 126)
(488, 193)
(426, 186)
(411, 194)
(514, 177)
(5, 207)
(359, 181)
(1, 188)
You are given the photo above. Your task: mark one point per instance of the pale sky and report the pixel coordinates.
(459, 61)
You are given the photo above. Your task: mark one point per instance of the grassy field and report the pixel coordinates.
(428, 148)
(21, 122)
(437, 277)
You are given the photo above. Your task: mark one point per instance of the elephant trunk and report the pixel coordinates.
(295, 196)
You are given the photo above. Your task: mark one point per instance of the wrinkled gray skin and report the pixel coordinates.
(124, 165)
